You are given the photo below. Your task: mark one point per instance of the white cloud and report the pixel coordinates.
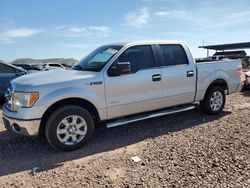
(162, 13)
(208, 23)
(235, 19)
(70, 45)
(79, 45)
(22, 32)
(72, 31)
(168, 13)
(152, 1)
(10, 35)
(137, 19)
(77, 29)
(60, 27)
(103, 29)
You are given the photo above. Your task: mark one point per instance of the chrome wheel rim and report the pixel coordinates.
(216, 101)
(71, 130)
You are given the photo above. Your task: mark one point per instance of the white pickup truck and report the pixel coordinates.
(117, 84)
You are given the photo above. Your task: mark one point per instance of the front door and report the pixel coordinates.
(139, 91)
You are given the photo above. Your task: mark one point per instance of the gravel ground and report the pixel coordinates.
(182, 150)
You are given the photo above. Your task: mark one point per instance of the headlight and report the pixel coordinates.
(23, 100)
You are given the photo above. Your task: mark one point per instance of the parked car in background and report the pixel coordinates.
(7, 73)
(28, 68)
(51, 66)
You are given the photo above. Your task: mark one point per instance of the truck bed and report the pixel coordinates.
(211, 70)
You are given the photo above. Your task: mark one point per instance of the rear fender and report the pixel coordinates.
(203, 85)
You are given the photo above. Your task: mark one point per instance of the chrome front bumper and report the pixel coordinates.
(22, 127)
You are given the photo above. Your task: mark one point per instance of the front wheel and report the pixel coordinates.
(214, 100)
(69, 128)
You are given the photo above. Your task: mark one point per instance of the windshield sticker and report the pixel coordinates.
(112, 51)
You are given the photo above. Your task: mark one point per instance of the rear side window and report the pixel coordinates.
(140, 57)
(173, 54)
(6, 69)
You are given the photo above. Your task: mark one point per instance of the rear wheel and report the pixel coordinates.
(69, 128)
(214, 100)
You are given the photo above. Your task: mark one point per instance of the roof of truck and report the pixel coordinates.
(146, 42)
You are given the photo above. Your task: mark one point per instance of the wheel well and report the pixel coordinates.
(69, 101)
(219, 82)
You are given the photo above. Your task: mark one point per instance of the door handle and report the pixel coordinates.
(190, 73)
(156, 77)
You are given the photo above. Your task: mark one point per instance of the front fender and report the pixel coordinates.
(73, 92)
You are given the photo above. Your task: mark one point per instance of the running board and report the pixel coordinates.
(149, 115)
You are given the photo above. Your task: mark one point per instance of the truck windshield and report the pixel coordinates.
(97, 59)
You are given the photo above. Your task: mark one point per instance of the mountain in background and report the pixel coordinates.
(68, 62)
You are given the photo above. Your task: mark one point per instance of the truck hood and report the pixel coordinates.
(52, 77)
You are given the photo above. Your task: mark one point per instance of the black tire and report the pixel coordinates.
(206, 103)
(57, 116)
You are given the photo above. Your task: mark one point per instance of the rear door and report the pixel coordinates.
(139, 91)
(7, 73)
(179, 75)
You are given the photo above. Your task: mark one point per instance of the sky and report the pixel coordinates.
(73, 28)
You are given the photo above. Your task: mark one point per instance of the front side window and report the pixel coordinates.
(96, 60)
(6, 69)
(173, 54)
(139, 57)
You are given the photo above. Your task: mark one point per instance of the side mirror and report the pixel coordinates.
(120, 68)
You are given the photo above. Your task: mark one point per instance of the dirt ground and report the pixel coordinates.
(188, 149)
